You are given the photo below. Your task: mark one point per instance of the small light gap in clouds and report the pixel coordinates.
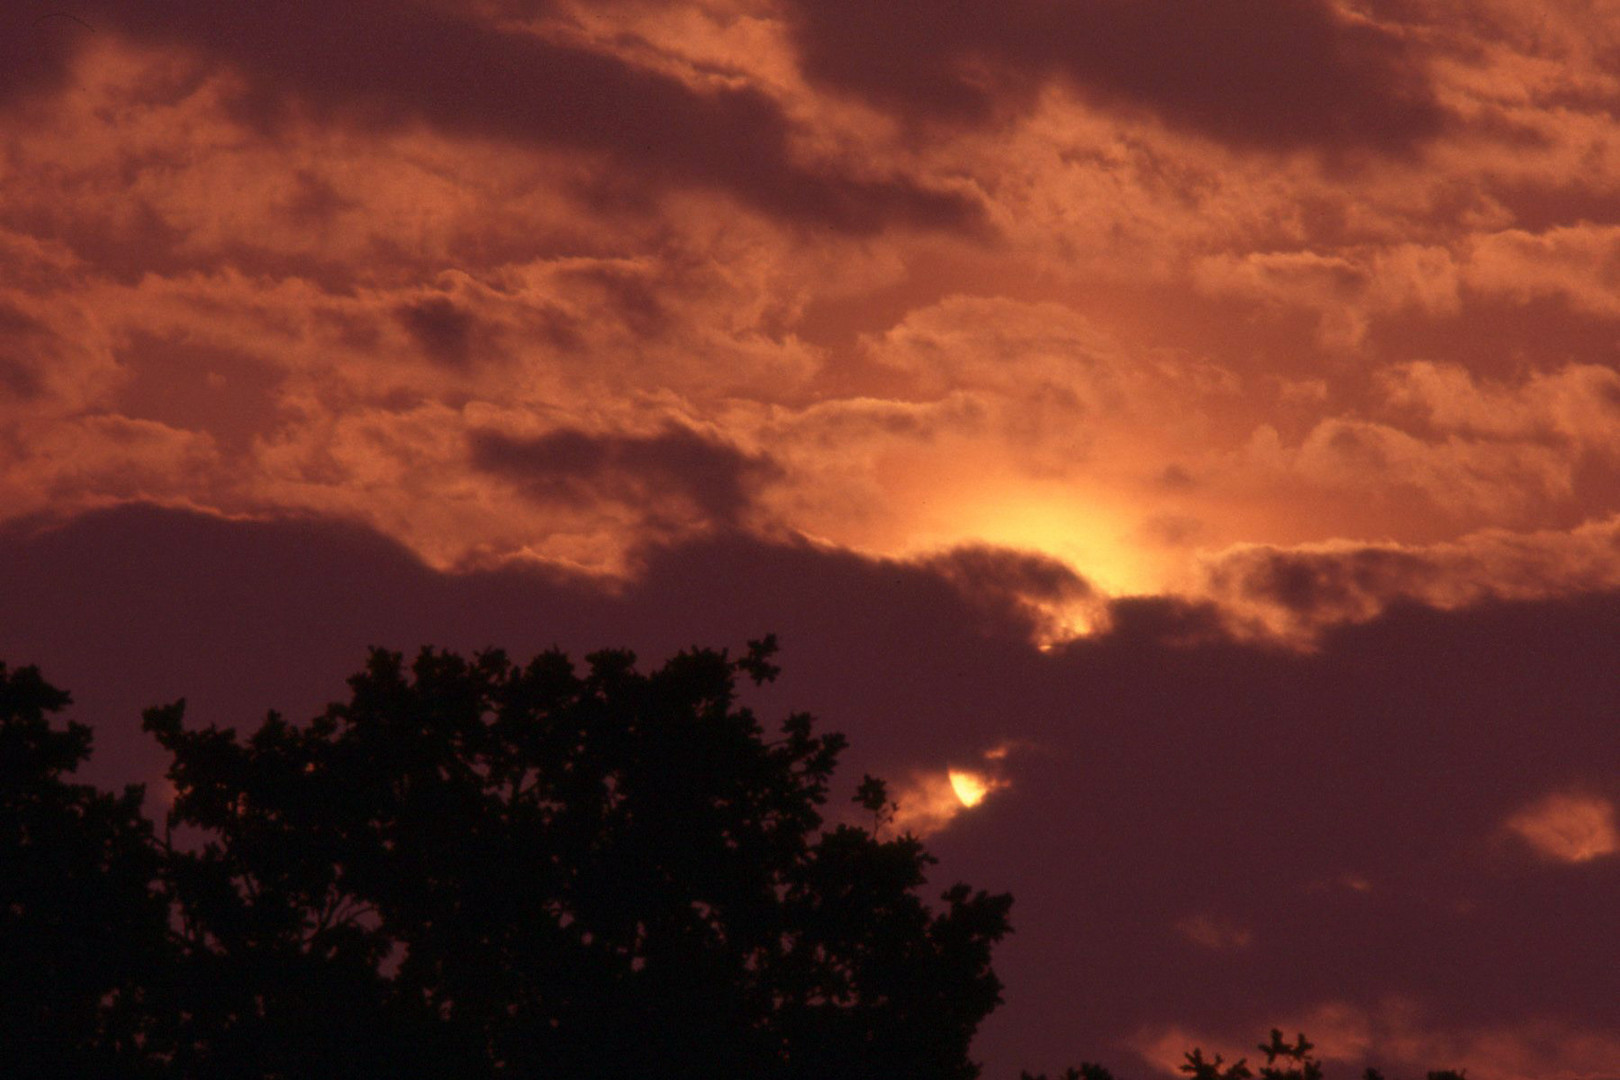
(1569, 827)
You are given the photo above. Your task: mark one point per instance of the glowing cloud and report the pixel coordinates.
(1213, 933)
(1399, 1035)
(929, 801)
(1569, 828)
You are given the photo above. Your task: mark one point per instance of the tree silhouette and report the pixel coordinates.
(1289, 1060)
(1086, 1071)
(475, 868)
(82, 928)
(1284, 1061)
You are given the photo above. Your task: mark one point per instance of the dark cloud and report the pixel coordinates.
(388, 64)
(127, 245)
(1013, 586)
(136, 605)
(19, 375)
(1171, 530)
(1500, 336)
(1267, 73)
(1015, 573)
(632, 297)
(1342, 808)
(1325, 587)
(442, 329)
(36, 43)
(1177, 478)
(18, 378)
(1158, 622)
(576, 468)
(315, 202)
(29, 352)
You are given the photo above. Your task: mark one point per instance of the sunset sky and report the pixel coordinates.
(1186, 430)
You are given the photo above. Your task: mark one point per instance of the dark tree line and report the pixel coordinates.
(474, 868)
(1284, 1061)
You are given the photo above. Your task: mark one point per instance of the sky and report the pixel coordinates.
(1190, 430)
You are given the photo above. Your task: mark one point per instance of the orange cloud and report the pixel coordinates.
(1297, 591)
(1567, 827)
(1082, 316)
(1398, 1036)
(1209, 932)
(930, 801)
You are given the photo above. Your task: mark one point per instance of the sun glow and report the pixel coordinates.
(970, 788)
(1078, 528)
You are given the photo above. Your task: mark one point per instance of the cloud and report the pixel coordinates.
(1577, 403)
(55, 358)
(1571, 828)
(1574, 263)
(385, 66)
(1397, 1036)
(1350, 289)
(442, 329)
(191, 385)
(573, 468)
(1010, 585)
(1464, 476)
(99, 460)
(19, 379)
(1147, 307)
(1213, 933)
(928, 802)
(1296, 592)
(1354, 288)
(36, 46)
(1263, 73)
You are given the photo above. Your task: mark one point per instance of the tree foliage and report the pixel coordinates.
(1285, 1060)
(477, 868)
(480, 868)
(82, 925)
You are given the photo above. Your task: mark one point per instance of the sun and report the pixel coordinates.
(970, 788)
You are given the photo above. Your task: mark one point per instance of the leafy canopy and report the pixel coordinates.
(82, 925)
(479, 868)
(475, 868)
